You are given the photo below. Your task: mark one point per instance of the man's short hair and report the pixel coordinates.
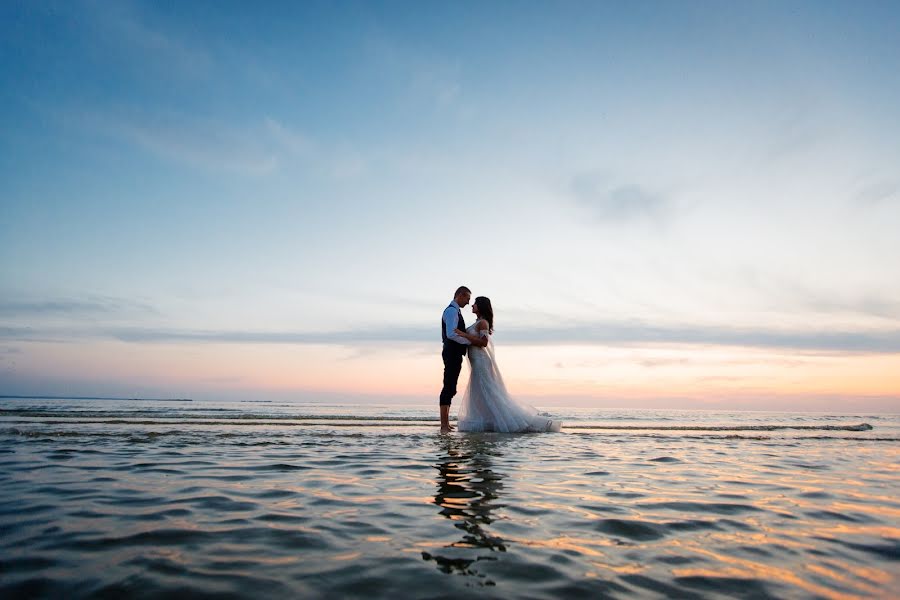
(462, 289)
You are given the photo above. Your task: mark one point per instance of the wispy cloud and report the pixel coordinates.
(291, 140)
(792, 134)
(598, 333)
(76, 308)
(441, 83)
(26, 334)
(430, 77)
(255, 147)
(124, 26)
(878, 192)
(193, 142)
(790, 294)
(870, 304)
(350, 337)
(639, 333)
(609, 201)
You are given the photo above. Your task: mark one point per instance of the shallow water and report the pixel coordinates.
(152, 499)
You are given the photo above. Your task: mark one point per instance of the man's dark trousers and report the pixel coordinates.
(453, 359)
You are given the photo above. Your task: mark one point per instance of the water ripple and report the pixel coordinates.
(149, 503)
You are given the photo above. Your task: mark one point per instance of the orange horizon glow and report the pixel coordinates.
(704, 374)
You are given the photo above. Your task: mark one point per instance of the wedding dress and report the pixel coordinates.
(487, 406)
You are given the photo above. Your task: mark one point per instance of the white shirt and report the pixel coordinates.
(451, 321)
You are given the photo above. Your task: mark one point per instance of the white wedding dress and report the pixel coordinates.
(487, 406)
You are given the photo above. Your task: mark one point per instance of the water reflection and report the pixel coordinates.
(468, 489)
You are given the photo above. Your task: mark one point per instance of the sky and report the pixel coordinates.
(670, 204)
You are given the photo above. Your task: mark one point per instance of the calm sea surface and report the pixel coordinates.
(153, 499)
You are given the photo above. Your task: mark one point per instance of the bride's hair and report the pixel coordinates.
(485, 311)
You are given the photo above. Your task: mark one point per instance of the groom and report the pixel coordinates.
(454, 350)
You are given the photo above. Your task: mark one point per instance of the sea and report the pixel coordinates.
(131, 498)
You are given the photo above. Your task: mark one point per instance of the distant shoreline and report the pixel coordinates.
(96, 398)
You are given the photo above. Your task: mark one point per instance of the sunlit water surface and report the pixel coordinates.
(102, 498)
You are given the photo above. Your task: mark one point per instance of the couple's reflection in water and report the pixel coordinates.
(468, 489)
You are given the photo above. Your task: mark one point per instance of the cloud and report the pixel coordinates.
(652, 363)
(292, 141)
(190, 141)
(440, 83)
(793, 294)
(794, 134)
(123, 26)
(95, 306)
(598, 333)
(639, 333)
(339, 161)
(257, 148)
(617, 203)
(350, 337)
(30, 334)
(433, 81)
(881, 192)
(867, 304)
(18, 333)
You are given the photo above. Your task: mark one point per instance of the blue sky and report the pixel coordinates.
(624, 181)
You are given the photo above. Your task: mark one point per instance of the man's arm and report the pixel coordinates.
(478, 339)
(451, 320)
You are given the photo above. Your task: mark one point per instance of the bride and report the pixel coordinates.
(486, 405)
